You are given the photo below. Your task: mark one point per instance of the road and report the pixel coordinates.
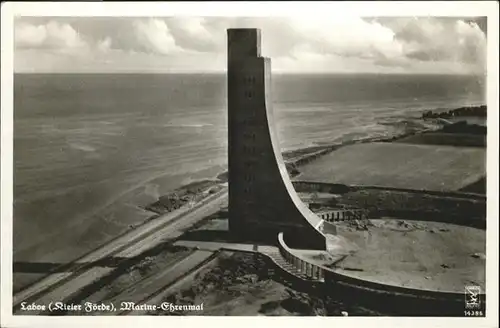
(143, 293)
(60, 286)
(173, 285)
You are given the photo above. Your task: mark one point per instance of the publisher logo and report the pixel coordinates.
(472, 297)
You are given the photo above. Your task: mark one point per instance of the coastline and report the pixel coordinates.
(398, 208)
(196, 191)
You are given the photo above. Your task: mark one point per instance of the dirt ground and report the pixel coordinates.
(415, 254)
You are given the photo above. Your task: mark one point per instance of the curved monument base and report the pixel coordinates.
(299, 238)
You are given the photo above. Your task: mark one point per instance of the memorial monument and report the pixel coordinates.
(262, 200)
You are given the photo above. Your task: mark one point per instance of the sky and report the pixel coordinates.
(409, 45)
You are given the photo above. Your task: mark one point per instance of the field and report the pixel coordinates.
(398, 165)
(451, 139)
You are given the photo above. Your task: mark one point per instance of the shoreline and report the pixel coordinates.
(198, 190)
(195, 192)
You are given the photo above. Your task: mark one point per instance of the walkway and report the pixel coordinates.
(271, 252)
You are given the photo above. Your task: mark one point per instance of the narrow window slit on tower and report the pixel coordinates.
(249, 80)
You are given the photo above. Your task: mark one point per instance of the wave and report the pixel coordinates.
(152, 190)
(200, 125)
(82, 147)
(303, 109)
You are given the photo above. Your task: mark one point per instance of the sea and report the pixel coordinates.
(91, 150)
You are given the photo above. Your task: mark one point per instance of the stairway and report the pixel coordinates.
(274, 254)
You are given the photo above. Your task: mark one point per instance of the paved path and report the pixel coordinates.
(60, 286)
(216, 245)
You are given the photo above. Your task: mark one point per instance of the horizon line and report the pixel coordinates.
(274, 73)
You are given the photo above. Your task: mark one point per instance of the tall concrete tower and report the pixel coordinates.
(262, 200)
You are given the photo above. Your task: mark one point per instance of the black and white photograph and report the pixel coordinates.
(315, 160)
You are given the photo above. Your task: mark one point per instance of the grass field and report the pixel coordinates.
(450, 139)
(411, 166)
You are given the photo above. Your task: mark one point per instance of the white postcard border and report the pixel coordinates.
(157, 9)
